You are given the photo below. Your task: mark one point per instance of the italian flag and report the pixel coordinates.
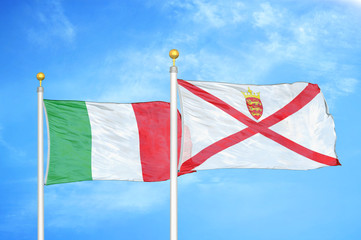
(108, 141)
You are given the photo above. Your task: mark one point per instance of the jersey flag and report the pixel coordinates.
(108, 141)
(283, 126)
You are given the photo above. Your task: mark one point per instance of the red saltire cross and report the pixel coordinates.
(254, 127)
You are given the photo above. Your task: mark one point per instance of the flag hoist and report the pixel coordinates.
(173, 148)
(40, 76)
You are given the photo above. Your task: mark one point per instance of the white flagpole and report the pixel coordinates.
(40, 76)
(173, 148)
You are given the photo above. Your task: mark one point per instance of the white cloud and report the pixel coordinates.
(135, 76)
(14, 151)
(218, 15)
(353, 2)
(283, 37)
(307, 41)
(268, 16)
(52, 24)
(88, 204)
(188, 180)
(77, 205)
(13, 222)
(347, 85)
(343, 86)
(339, 87)
(83, 204)
(121, 75)
(210, 13)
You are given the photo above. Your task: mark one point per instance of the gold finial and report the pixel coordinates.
(173, 54)
(40, 76)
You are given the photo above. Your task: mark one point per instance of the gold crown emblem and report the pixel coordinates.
(250, 94)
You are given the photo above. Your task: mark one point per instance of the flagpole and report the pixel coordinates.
(173, 148)
(40, 76)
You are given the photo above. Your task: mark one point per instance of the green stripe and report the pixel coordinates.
(70, 142)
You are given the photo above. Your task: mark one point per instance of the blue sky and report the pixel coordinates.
(118, 51)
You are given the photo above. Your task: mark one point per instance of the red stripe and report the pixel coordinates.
(287, 143)
(153, 119)
(301, 100)
(218, 103)
(295, 105)
(215, 148)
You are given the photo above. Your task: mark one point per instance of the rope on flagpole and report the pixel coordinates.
(173, 148)
(40, 76)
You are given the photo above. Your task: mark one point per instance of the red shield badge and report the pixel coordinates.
(254, 103)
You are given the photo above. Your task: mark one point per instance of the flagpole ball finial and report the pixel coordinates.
(40, 76)
(174, 55)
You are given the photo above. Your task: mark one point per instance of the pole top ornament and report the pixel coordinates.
(173, 54)
(40, 76)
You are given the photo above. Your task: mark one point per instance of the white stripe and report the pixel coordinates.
(115, 142)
